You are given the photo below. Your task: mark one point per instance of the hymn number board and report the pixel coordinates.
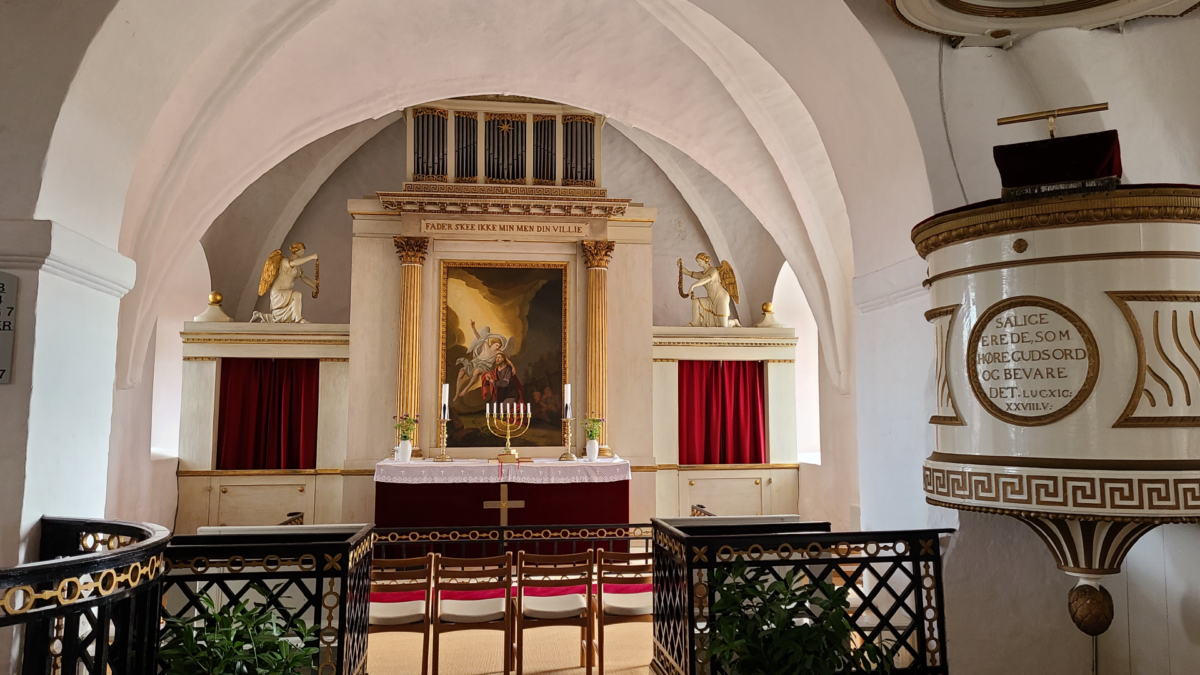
(8, 324)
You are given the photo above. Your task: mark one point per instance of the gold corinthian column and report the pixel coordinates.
(597, 254)
(411, 251)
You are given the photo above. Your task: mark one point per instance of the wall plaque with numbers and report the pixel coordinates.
(8, 324)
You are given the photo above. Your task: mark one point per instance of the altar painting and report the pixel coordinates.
(503, 340)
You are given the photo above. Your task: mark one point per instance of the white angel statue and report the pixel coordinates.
(279, 275)
(721, 286)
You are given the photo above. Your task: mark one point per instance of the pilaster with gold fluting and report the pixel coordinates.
(597, 254)
(411, 251)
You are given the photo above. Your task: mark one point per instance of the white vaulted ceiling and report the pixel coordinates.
(178, 107)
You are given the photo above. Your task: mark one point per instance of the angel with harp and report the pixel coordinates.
(721, 286)
(279, 275)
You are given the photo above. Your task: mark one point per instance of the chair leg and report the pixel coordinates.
(600, 642)
(436, 642)
(425, 649)
(588, 643)
(520, 645)
(583, 646)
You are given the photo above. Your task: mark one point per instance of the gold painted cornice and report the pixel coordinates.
(1136, 205)
(474, 199)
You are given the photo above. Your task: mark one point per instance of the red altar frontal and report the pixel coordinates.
(476, 493)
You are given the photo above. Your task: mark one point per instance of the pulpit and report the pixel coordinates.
(478, 493)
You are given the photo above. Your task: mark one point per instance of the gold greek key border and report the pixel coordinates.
(1097, 496)
(956, 419)
(1122, 300)
(566, 303)
(1089, 341)
(1144, 205)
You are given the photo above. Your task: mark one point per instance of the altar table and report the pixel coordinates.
(478, 493)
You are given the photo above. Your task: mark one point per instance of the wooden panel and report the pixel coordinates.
(193, 504)
(729, 495)
(264, 503)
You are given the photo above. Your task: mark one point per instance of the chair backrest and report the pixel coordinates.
(624, 568)
(397, 575)
(547, 571)
(473, 574)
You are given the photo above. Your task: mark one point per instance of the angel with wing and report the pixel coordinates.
(279, 275)
(721, 286)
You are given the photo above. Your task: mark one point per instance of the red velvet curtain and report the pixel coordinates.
(267, 418)
(721, 412)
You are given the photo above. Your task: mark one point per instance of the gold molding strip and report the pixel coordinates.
(336, 360)
(1026, 462)
(674, 343)
(726, 467)
(644, 468)
(1050, 260)
(275, 472)
(666, 360)
(1139, 205)
(201, 358)
(264, 341)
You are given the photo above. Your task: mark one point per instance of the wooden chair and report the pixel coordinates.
(624, 569)
(486, 576)
(559, 605)
(412, 577)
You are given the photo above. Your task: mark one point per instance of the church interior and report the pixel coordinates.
(681, 337)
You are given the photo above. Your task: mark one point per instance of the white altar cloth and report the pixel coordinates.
(482, 471)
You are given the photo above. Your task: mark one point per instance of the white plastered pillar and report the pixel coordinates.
(57, 409)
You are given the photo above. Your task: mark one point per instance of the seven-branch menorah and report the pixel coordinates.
(508, 420)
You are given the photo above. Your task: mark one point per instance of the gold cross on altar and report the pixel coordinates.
(504, 505)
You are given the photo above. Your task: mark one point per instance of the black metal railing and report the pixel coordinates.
(894, 580)
(321, 576)
(90, 605)
(479, 542)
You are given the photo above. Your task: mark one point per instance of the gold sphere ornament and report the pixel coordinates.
(768, 307)
(1091, 608)
(215, 298)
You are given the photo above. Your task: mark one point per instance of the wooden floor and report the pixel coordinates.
(547, 650)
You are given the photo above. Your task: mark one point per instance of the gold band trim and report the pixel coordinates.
(1061, 516)
(336, 360)
(264, 341)
(1050, 260)
(276, 472)
(200, 358)
(1142, 205)
(1071, 464)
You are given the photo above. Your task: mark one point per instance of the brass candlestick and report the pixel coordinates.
(508, 423)
(569, 455)
(442, 438)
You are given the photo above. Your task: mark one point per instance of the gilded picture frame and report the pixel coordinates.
(466, 429)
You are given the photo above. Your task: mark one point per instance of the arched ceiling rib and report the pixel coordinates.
(332, 64)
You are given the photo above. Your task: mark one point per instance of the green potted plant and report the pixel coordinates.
(407, 427)
(761, 625)
(236, 639)
(593, 426)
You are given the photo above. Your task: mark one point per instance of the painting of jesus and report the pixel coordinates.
(503, 340)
